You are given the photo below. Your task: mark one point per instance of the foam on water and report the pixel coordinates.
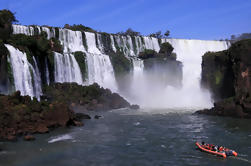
(60, 138)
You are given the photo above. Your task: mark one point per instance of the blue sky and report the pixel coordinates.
(189, 19)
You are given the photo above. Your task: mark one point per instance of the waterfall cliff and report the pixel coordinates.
(97, 48)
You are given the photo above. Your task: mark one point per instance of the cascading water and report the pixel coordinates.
(26, 78)
(100, 69)
(190, 95)
(71, 40)
(67, 69)
(47, 74)
(113, 44)
(21, 29)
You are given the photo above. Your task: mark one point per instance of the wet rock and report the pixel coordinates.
(80, 116)
(42, 129)
(29, 138)
(97, 116)
(134, 107)
(227, 75)
(78, 123)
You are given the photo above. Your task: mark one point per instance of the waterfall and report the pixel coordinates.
(26, 78)
(190, 95)
(144, 91)
(21, 29)
(37, 80)
(71, 40)
(67, 69)
(113, 44)
(91, 43)
(100, 70)
(47, 74)
(100, 44)
(49, 33)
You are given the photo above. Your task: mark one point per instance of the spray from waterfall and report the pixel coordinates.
(149, 91)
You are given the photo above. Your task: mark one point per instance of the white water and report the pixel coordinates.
(91, 43)
(67, 69)
(71, 40)
(60, 138)
(22, 72)
(143, 91)
(100, 70)
(21, 29)
(47, 74)
(190, 95)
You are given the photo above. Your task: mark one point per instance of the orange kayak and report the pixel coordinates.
(223, 152)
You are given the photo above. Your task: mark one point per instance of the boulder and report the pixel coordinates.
(29, 138)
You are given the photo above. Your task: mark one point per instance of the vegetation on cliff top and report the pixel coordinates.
(6, 20)
(92, 97)
(79, 27)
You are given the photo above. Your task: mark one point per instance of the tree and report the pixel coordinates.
(233, 37)
(157, 35)
(129, 32)
(167, 33)
(6, 20)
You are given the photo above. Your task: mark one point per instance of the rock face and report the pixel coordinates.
(91, 97)
(20, 115)
(163, 66)
(228, 75)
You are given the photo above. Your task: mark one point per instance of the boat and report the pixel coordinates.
(216, 150)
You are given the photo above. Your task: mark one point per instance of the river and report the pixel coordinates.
(135, 138)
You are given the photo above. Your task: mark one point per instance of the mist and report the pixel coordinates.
(162, 88)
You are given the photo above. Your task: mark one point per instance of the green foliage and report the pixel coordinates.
(129, 32)
(167, 33)
(157, 35)
(120, 63)
(3, 49)
(106, 40)
(57, 32)
(147, 53)
(6, 20)
(218, 77)
(10, 74)
(81, 59)
(242, 36)
(166, 48)
(79, 27)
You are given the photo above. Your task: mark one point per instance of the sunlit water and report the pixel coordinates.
(140, 138)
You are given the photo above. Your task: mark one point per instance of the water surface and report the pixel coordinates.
(126, 137)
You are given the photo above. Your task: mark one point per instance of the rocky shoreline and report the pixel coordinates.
(22, 116)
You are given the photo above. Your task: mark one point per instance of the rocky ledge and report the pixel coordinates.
(228, 75)
(91, 98)
(22, 116)
(19, 115)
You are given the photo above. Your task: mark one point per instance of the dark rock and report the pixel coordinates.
(80, 116)
(97, 116)
(227, 73)
(42, 129)
(134, 107)
(29, 138)
(78, 123)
